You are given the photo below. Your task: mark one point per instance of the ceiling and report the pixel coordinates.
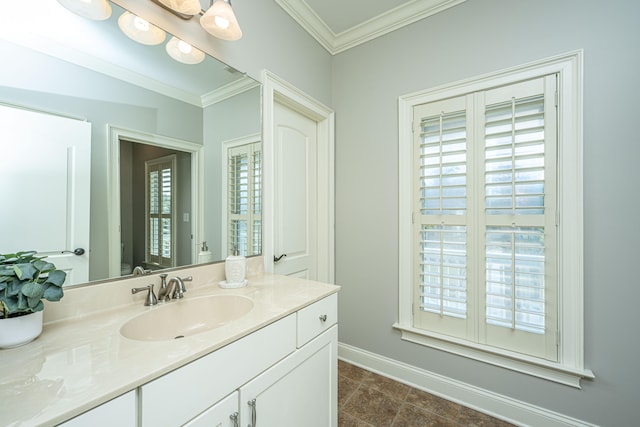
(342, 24)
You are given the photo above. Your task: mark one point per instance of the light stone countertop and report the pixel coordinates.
(82, 361)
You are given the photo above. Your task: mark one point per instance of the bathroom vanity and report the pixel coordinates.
(275, 365)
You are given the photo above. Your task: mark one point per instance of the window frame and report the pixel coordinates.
(569, 369)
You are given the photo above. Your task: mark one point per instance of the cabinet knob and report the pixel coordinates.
(323, 317)
(234, 419)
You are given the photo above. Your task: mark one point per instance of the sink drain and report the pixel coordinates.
(179, 336)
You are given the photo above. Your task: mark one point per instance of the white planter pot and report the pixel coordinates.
(17, 331)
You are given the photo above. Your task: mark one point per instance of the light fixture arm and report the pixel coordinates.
(178, 14)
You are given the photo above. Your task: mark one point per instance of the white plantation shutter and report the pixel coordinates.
(244, 184)
(519, 167)
(485, 217)
(160, 189)
(441, 150)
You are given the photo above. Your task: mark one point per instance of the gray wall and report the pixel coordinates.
(477, 37)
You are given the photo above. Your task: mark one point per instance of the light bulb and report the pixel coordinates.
(221, 22)
(184, 47)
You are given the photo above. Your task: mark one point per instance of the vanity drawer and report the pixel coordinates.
(180, 395)
(317, 318)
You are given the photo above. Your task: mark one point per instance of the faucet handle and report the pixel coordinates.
(151, 296)
(163, 280)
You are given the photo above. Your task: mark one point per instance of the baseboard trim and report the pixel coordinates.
(496, 405)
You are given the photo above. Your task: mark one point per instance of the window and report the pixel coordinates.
(244, 199)
(160, 190)
(487, 168)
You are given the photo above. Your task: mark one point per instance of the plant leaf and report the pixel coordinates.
(43, 266)
(23, 304)
(56, 277)
(25, 271)
(33, 302)
(52, 293)
(38, 307)
(33, 290)
(14, 287)
(11, 305)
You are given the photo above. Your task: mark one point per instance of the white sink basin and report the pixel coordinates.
(181, 318)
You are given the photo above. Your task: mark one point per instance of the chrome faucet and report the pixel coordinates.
(139, 271)
(151, 296)
(176, 284)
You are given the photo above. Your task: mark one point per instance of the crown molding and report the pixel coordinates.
(229, 90)
(394, 19)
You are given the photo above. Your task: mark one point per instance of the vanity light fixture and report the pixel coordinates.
(140, 30)
(221, 22)
(98, 10)
(183, 52)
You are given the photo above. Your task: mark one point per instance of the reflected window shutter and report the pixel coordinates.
(244, 193)
(160, 187)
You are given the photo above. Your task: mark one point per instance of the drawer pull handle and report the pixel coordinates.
(323, 317)
(234, 419)
(252, 405)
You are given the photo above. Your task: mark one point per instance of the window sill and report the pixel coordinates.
(551, 371)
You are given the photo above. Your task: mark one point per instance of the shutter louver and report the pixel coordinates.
(444, 270)
(514, 157)
(443, 164)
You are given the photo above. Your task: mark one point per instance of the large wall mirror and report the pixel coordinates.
(170, 173)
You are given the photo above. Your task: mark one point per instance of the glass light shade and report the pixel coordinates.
(183, 52)
(98, 10)
(140, 30)
(221, 22)
(186, 7)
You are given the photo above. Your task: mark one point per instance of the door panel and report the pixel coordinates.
(295, 193)
(48, 215)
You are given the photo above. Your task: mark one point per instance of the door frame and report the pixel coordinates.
(113, 186)
(275, 89)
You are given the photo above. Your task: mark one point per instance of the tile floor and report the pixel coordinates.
(366, 399)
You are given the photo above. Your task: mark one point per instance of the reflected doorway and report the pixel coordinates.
(155, 207)
(154, 201)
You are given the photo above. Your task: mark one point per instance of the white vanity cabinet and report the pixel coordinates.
(120, 412)
(291, 377)
(299, 391)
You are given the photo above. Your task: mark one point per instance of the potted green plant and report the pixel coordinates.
(25, 280)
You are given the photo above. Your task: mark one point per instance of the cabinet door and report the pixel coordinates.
(120, 412)
(222, 414)
(299, 391)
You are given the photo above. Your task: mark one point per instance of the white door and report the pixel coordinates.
(295, 193)
(45, 167)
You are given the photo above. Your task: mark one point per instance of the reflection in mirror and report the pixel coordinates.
(203, 120)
